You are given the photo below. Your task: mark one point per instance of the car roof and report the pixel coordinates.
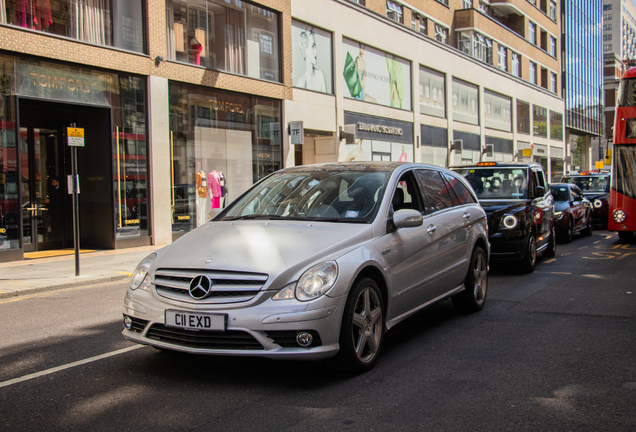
(366, 165)
(500, 165)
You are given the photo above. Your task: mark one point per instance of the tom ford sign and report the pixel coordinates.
(63, 84)
(380, 128)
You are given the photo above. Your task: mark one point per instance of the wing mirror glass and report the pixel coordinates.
(539, 191)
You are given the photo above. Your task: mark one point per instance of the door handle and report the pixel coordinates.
(431, 229)
(466, 216)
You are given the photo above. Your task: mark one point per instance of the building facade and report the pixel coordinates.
(583, 78)
(186, 103)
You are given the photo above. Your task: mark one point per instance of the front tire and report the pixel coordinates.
(589, 230)
(362, 329)
(570, 233)
(473, 297)
(529, 261)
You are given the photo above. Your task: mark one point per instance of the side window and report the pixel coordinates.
(576, 192)
(462, 195)
(434, 191)
(538, 181)
(407, 194)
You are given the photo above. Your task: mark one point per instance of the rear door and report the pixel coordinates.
(543, 208)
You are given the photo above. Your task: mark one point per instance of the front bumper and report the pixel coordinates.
(260, 327)
(508, 246)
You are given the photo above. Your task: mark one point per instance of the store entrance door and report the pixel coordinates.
(45, 203)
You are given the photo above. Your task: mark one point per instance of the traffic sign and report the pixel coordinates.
(75, 136)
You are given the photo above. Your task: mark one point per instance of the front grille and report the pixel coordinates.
(138, 324)
(287, 338)
(228, 340)
(227, 287)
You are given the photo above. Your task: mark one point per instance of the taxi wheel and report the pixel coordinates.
(362, 329)
(589, 230)
(473, 297)
(550, 251)
(569, 234)
(529, 261)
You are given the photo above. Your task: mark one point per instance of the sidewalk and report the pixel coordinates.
(18, 278)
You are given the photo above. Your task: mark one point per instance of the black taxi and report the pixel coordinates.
(596, 188)
(520, 209)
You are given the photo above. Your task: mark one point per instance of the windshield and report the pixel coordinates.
(327, 195)
(560, 193)
(589, 184)
(624, 172)
(497, 183)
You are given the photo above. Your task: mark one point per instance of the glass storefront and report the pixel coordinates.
(434, 147)
(379, 139)
(230, 35)
(221, 143)
(48, 95)
(470, 148)
(116, 23)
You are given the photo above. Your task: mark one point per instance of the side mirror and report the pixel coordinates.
(539, 191)
(407, 218)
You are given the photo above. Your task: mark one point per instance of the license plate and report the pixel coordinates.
(195, 321)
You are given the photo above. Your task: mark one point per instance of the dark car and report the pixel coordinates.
(596, 188)
(572, 211)
(520, 209)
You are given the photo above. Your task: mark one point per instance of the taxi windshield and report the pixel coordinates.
(589, 184)
(497, 182)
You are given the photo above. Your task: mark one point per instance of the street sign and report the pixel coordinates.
(599, 164)
(296, 132)
(75, 136)
(527, 152)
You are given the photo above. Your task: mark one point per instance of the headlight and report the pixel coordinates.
(619, 216)
(558, 215)
(598, 203)
(509, 221)
(316, 281)
(141, 271)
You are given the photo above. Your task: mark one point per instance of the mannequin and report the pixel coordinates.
(214, 185)
(196, 49)
(202, 195)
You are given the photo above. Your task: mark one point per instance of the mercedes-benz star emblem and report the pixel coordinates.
(200, 287)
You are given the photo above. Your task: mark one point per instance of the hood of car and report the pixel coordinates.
(498, 208)
(269, 247)
(561, 206)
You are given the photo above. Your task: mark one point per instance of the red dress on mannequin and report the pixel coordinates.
(196, 48)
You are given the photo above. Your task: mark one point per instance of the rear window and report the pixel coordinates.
(497, 182)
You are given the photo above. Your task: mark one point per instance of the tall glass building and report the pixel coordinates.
(583, 66)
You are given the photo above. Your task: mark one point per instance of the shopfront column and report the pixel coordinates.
(159, 167)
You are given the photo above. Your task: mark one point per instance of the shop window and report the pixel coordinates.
(233, 36)
(539, 121)
(523, 117)
(556, 125)
(92, 23)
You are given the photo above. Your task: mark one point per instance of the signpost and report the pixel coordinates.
(75, 139)
(296, 132)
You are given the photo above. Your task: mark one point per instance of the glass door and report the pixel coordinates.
(43, 191)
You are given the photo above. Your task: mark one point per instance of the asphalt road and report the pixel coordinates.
(551, 351)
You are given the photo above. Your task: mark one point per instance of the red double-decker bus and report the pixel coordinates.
(622, 208)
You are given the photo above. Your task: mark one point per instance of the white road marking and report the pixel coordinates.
(68, 366)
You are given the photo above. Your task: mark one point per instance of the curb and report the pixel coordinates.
(51, 288)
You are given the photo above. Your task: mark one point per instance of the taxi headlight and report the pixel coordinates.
(558, 215)
(619, 216)
(598, 203)
(509, 221)
(316, 281)
(141, 272)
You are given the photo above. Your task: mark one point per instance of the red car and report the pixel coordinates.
(572, 211)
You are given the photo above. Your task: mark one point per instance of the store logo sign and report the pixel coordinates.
(388, 130)
(223, 106)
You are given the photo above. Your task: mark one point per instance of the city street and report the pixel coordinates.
(554, 350)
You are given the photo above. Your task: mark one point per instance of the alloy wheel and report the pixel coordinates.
(367, 324)
(480, 278)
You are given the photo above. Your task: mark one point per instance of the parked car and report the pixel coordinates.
(596, 188)
(572, 211)
(520, 210)
(315, 262)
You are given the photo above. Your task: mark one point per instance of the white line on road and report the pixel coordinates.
(69, 365)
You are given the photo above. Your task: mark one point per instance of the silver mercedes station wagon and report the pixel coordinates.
(315, 262)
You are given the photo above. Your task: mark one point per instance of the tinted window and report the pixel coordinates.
(434, 191)
(497, 182)
(407, 195)
(576, 192)
(560, 193)
(462, 195)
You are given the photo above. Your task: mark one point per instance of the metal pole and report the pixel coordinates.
(76, 230)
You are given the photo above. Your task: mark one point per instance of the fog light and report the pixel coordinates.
(127, 322)
(304, 339)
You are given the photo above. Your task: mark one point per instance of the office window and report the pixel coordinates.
(423, 26)
(607, 7)
(441, 33)
(502, 57)
(607, 17)
(414, 22)
(479, 47)
(467, 4)
(539, 121)
(445, 2)
(394, 11)
(607, 27)
(607, 37)
(556, 125)
(532, 72)
(532, 33)
(360, 2)
(463, 42)
(523, 117)
(516, 60)
(607, 47)
(553, 10)
(552, 46)
(553, 82)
